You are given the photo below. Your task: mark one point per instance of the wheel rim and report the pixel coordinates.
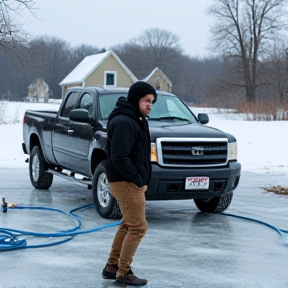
(103, 190)
(35, 167)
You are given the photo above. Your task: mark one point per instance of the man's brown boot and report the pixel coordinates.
(109, 271)
(130, 279)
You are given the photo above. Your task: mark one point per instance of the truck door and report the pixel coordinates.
(71, 138)
(61, 138)
(81, 135)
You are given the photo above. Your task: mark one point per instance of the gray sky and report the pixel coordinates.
(103, 23)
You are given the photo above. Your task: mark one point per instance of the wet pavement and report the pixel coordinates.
(183, 248)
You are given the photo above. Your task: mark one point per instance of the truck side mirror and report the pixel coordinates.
(203, 118)
(79, 115)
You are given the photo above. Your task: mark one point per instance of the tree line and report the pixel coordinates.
(249, 66)
(52, 59)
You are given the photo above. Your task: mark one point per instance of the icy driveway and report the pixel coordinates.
(182, 248)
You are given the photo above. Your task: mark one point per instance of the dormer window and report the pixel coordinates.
(110, 78)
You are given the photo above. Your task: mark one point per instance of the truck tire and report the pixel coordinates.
(105, 204)
(214, 205)
(40, 179)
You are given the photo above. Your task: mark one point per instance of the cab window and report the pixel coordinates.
(86, 102)
(70, 104)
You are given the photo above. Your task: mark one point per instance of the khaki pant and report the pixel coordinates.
(131, 201)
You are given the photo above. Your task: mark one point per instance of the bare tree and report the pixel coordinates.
(78, 53)
(242, 31)
(133, 56)
(13, 73)
(11, 32)
(190, 77)
(275, 72)
(160, 46)
(51, 60)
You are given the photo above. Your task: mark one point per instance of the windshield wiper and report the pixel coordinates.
(169, 118)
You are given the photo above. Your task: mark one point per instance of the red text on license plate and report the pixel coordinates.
(196, 183)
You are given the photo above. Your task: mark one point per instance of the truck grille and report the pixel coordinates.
(192, 152)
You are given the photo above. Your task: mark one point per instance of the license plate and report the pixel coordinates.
(197, 183)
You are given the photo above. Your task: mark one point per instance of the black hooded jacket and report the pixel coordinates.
(128, 145)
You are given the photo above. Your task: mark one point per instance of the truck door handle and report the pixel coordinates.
(70, 132)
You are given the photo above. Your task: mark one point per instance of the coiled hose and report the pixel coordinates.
(10, 238)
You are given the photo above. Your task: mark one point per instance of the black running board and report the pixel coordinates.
(82, 182)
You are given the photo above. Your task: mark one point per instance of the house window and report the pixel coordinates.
(110, 78)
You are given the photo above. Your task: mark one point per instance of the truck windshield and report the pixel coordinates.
(171, 109)
(167, 108)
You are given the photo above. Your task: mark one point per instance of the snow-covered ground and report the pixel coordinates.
(262, 146)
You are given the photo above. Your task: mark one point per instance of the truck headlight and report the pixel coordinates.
(153, 153)
(232, 151)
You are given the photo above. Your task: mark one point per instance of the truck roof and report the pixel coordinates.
(107, 89)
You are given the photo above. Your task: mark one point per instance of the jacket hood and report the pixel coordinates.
(123, 107)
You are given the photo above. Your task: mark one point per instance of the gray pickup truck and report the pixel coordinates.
(189, 160)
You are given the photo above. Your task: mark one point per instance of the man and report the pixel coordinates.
(128, 171)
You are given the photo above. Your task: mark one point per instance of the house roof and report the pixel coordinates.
(153, 72)
(88, 65)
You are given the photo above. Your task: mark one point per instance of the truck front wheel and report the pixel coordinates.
(40, 179)
(105, 204)
(216, 204)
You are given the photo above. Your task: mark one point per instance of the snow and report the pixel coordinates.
(84, 68)
(89, 64)
(11, 115)
(262, 145)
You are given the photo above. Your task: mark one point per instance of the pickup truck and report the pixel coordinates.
(189, 159)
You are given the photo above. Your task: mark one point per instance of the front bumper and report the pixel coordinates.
(169, 183)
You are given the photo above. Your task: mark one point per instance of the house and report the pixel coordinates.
(107, 69)
(39, 91)
(159, 80)
(103, 69)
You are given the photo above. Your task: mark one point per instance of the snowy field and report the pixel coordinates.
(262, 146)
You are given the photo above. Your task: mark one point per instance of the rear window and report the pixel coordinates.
(70, 104)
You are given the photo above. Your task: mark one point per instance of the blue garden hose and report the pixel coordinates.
(278, 230)
(10, 238)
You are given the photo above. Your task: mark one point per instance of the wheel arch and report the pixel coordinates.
(98, 155)
(34, 141)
